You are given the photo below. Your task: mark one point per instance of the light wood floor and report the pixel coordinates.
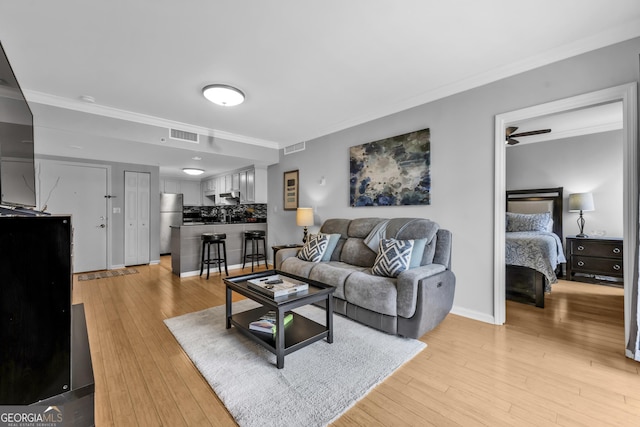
(561, 365)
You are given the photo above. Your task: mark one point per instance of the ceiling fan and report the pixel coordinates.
(510, 134)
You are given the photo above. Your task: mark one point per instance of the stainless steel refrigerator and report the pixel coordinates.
(170, 214)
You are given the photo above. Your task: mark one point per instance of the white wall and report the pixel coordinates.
(117, 203)
(579, 164)
(462, 162)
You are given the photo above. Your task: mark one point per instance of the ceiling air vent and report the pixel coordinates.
(183, 135)
(300, 146)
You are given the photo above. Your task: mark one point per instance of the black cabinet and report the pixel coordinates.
(594, 259)
(35, 308)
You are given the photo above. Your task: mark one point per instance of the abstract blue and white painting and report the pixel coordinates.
(392, 172)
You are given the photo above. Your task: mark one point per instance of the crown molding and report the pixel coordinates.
(115, 113)
(597, 41)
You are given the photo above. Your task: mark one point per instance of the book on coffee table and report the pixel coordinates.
(276, 285)
(267, 322)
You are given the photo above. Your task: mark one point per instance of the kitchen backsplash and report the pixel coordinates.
(232, 213)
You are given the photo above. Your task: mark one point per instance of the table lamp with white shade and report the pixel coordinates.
(579, 202)
(304, 218)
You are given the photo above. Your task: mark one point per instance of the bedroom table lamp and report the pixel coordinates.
(579, 202)
(304, 218)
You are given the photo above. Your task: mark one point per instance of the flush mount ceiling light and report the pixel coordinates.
(224, 95)
(192, 171)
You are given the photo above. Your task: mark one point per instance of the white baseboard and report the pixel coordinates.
(154, 262)
(213, 270)
(472, 314)
(115, 267)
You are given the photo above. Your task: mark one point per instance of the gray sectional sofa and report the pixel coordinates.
(412, 303)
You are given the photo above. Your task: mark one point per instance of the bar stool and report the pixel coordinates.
(217, 239)
(254, 237)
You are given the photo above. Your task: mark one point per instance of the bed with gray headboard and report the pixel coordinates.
(533, 246)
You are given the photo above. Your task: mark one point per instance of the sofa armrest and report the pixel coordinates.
(283, 254)
(434, 301)
(407, 284)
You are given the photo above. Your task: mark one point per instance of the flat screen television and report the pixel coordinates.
(17, 171)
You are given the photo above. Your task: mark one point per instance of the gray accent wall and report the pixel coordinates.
(584, 163)
(462, 162)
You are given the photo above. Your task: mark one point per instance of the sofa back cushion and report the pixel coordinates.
(443, 249)
(354, 250)
(416, 228)
(351, 248)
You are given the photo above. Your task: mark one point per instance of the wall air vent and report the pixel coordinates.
(183, 135)
(300, 146)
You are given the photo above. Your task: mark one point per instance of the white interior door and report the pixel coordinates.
(78, 190)
(136, 210)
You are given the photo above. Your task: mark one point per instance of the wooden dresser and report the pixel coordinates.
(594, 259)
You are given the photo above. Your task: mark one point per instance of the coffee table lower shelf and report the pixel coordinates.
(297, 334)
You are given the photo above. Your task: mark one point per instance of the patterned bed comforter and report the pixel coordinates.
(539, 250)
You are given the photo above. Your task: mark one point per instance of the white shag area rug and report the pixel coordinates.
(317, 384)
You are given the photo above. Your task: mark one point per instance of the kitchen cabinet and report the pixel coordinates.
(250, 185)
(235, 181)
(260, 185)
(242, 187)
(191, 192)
(209, 191)
(210, 185)
(247, 186)
(170, 186)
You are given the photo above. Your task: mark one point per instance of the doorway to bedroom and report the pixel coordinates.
(510, 174)
(583, 153)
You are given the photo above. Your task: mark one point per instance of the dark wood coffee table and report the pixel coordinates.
(300, 333)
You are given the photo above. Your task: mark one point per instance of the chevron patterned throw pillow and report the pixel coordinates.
(315, 247)
(393, 257)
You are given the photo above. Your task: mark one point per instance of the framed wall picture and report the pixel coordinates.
(394, 171)
(291, 190)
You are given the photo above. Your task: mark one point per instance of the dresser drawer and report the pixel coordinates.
(597, 249)
(594, 265)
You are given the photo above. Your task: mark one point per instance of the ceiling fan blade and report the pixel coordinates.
(512, 141)
(533, 132)
(510, 130)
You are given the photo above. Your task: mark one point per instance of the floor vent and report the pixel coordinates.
(300, 146)
(183, 135)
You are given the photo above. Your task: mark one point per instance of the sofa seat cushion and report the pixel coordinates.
(334, 273)
(295, 265)
(375, 293)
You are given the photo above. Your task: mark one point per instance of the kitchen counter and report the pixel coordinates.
(187, 224)
(186, 245)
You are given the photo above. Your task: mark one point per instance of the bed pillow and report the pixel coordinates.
(314, 248)
(528, 222)
(394, 257)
